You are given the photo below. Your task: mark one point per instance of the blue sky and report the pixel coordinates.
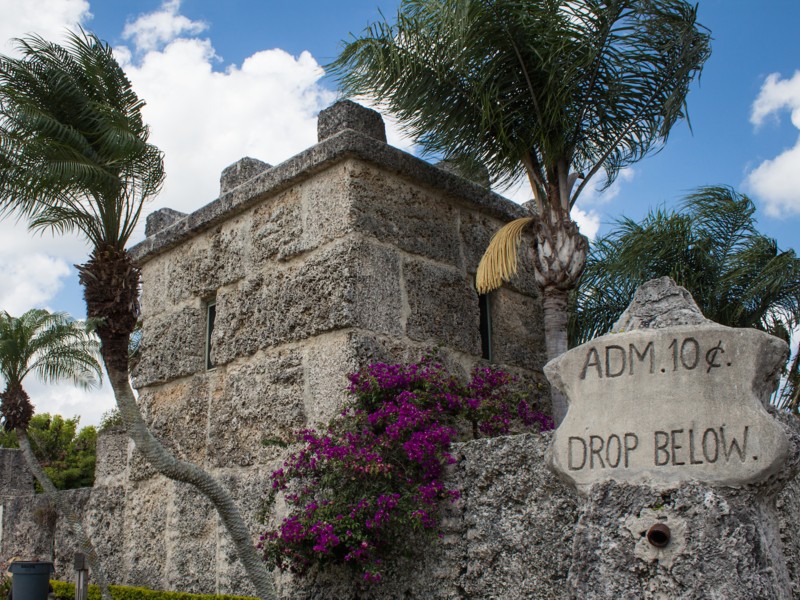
(229, 79)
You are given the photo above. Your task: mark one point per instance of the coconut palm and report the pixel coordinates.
(738, 276)
(74, 156)
(550, 90)
(53, 348)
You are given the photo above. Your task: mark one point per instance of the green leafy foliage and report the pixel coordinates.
(66, 591)
(73, 147)
(67, 455)
(532, 87)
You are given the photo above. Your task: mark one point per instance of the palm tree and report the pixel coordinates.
(738, 276)
(550, 90)
(74, 156)
(53, 348)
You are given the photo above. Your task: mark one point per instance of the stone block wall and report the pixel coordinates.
(350, 252)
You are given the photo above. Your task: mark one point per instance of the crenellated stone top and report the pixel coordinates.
(239, 172)
(346, 130)
(346, 114)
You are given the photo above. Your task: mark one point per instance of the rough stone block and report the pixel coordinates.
(442, 306)
(214, 259)
(348, 284)
(236, 174)
(112, 457)
(173, 346)
(191, 541)
(145, 540)
(277, 228)
(16, 479)
(346, 114)
(397, 212)
(27, 530)
(517, 330)
(177, 414)
(161, 219)
(258, 401)
(155, 298)
(104, 519)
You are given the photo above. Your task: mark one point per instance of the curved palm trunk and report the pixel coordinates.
(166, 464)
(64, 507)
(111, 288)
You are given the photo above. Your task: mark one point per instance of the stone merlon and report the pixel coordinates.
(344, 142)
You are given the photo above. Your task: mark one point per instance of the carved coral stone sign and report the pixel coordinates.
(664, 406)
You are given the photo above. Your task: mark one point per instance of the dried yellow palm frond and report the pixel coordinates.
(499, 262)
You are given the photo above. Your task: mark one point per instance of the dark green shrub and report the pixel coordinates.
(66, 591)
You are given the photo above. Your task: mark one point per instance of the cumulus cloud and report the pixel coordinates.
(69, 401)
(776, 181)
(152, 30)
(47, 18)
(203, 120)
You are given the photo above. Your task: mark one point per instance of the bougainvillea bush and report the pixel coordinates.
(369, 485)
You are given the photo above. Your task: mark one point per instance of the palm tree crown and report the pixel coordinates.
(553, 90)
(738, 276)
(73, 146)
(52, 347)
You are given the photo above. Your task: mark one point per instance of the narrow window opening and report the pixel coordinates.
(485, 306)
(211, 315)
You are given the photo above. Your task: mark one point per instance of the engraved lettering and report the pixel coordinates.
(692, 460)
(674, 347)
(595, 451)
(631, 443)
(660, 443)
(692, 343)
(707, 444)
(613, 457)
(734, 445)
(711, 356)
(649, 349)
(675, 446)
(571, 462)
(592, 360)
(620, 363)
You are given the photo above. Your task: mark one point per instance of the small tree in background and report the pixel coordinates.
(550, 90)
(738, 276)
(67, 455)
(53, 348)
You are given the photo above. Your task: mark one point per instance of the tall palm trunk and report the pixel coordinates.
(65, 509)
(559, 258)
(111, 284)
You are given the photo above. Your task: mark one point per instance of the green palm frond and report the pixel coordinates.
(532, 86)
(52, 346)
(73, 146)
(711, 246)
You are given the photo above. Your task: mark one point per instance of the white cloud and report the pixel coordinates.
(47, 18)
(588, 221)
(69, 401)
(205, 120)
(153, 30)
(777, 181)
